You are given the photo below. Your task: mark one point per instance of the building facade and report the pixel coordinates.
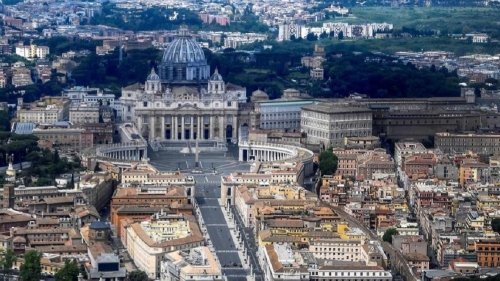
(329, 124)
(183, 102)
(194, 264)
(281, 114)
(477, 143)
(46, 110)
(82, 113)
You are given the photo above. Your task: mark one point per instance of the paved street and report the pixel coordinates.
(207, 195)
(248, 237)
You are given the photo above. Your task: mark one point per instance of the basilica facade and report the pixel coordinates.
(183, 102)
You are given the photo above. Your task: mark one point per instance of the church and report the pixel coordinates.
(183, 101)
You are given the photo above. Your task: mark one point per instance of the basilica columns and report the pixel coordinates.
(191, 130)
(162, 120)
(199, 125)
(264, 155)
(182, 127)
(212, 135)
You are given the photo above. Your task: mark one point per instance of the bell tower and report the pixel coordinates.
(216, 84)
(153, 84)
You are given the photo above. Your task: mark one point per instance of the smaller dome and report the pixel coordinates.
(259, 94)
(216, 76)
(153, 76)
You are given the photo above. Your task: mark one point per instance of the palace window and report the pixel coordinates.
(145, 104)
(145, 119)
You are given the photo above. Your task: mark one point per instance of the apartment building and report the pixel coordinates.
(329, 124)
(290, 196)
(283, 262)
(138, 202)
(148, 241)
(46, 110)
(151, 176)
(478, 143)
(33, 237)
(21, 76)
(488, 252)
(404, 148)
(83, 113)
(194, 264)
(32, 51)
(98, 188)
(262, 174)
(79, 94)
(64, 137)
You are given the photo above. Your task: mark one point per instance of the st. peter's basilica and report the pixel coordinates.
(183, 102)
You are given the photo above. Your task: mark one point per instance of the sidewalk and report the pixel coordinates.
(228, 217)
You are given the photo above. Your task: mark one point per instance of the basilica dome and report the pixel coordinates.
(184, 61)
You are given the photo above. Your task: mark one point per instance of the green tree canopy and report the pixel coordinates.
(389, 233)
(8, 259)
(495, 224)
(138, 275)
(69, 272)
(31, 268)
(328, 162)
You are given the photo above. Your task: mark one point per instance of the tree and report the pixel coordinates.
(56, 157)
(31, 268)
(341, 35)
(328, 162)
(495, 224)
(311, 37)
(388, 234)
(8, 259)
(69, 272)
(138, 275)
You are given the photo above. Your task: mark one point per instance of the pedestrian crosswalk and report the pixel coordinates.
(227, 251)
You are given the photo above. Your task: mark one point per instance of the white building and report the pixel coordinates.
(84, 113)
(404, 148)
(285, 31)
(183, 102)
(329, 124)
(148, 241)
(194, 264)
(348, 31)
(32, 51)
